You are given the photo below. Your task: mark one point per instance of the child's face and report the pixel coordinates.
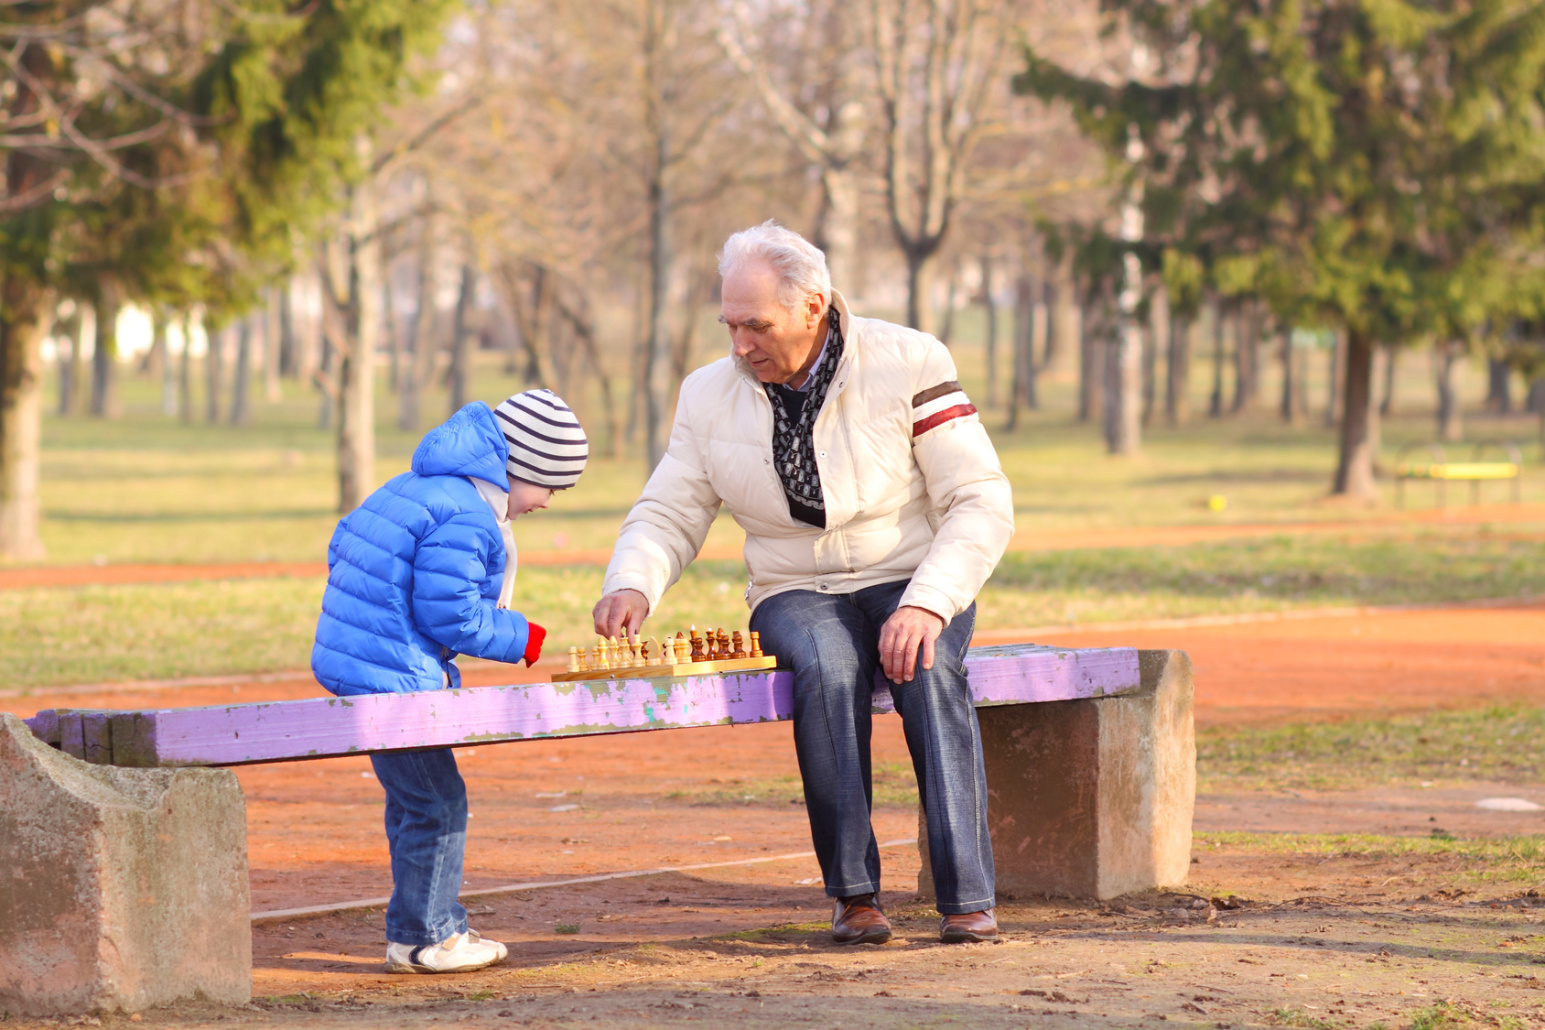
(527, 497)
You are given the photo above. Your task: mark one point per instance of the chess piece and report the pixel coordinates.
(643, 653)
(635, 652)
(724, 644)
(697, 647)
(740, 646)
(756, 644)
(614, 653)
(574, 659)
(598, 657)
(682, 651)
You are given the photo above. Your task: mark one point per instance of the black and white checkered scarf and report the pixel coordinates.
(793, 441)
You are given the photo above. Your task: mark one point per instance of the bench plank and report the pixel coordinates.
(324, 727)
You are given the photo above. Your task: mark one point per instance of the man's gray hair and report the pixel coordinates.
(799, 264)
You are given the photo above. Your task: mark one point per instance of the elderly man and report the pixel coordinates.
(874, 509)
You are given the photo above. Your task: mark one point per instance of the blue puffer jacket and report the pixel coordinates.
(414, 572)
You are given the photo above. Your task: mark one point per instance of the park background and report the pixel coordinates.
(253, 251)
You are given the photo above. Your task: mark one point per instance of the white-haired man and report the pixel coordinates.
(874, 509)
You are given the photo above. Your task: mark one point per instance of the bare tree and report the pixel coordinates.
(937, 63)
(350, 271)
(828, 128)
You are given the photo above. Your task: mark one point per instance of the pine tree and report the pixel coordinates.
(1370, 166)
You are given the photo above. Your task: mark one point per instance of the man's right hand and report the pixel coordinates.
(620, 613)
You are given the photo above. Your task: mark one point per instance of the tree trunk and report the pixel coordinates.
(919, 283)
(1247, 341)
(356, 367)
(185, 372)
(947, 329)
(1124, 372)
(1062, 320)
(24, 317)
(1159, 325)
(1335, 381)
(104, 356)
(990, 312)
(26, 308)
(272, 393)
(1091, 362)
(1499, 395)
(652, 374)
(214, 372)
(456, 375)
(327, 367)
(1446, 362)
(67, 340)
(1177, 372)
(837, 232)
(289, 358)
(420, 343)
(1387, 403)
(1220, 322)
(1288, 409)
(241, 378)
(1026, 329)
(1359, 421)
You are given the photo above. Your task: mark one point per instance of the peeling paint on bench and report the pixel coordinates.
(324, 727)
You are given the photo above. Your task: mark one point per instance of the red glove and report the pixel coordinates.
(534, 636)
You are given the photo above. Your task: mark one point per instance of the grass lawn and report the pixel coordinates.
(1503, 743)
(55, 636)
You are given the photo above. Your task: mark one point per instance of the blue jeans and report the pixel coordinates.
(426, 829)
(832, 643)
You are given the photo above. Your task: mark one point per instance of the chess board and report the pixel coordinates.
(718, 651)
(670, 669)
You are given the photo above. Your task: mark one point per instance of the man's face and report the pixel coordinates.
(779, 345)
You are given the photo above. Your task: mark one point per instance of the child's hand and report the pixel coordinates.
(534, 636)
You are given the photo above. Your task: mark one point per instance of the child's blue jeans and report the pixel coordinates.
(426, 829)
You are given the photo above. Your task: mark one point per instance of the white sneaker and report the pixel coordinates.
(458, 953)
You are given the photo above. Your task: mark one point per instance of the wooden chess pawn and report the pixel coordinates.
(597, 658)
(740, 646)
(724, 644)
(574, 659)
(697, 646)
(682, 648)
(756, 644)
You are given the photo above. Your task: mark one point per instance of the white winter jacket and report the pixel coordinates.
(912, 485)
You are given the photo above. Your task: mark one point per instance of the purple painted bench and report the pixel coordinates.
(280, 731)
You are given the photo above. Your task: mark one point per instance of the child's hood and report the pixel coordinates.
(468, 443)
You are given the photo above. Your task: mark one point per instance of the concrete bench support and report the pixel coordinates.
(120, 889)
(1092, 798)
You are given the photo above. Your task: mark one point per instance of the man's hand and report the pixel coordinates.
(621, 614)
(906, 630)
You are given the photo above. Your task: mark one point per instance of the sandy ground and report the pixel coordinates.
(1324, 942)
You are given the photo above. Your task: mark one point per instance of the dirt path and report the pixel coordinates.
(1342, 940)
(1027, 540)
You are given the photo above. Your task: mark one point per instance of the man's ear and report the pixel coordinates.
(815, 309)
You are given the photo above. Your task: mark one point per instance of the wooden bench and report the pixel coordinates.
(1090, 759)
(1475, 471)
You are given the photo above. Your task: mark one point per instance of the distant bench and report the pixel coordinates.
(1090, 753)
(1475, 471)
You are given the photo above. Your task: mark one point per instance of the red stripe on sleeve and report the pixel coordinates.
(938, 418)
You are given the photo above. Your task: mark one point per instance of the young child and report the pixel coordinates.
(421, 572)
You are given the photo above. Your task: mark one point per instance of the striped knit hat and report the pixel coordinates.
(547, 445)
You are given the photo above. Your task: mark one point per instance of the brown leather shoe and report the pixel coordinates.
(968, 928)
(858, 920)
